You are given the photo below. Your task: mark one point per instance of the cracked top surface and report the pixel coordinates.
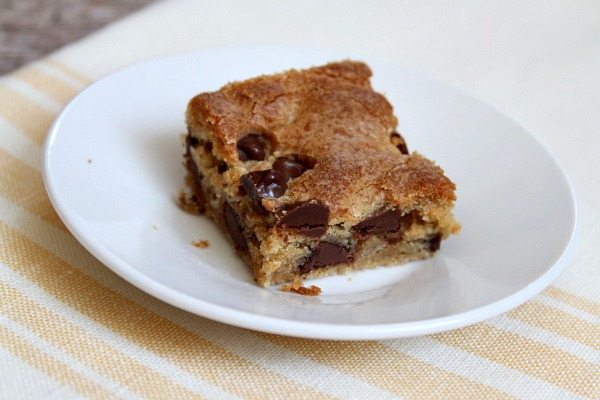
(329, 113)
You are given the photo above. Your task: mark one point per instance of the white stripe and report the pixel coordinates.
(32, 93)
(236, 340)
(48, 68)
(55, 352)
(128, 348)
(576, 312)
(20, 146)
(479, 369)
(22, 381)
(542, 336)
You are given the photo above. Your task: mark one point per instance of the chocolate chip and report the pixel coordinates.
(251, 147)
(294, 165)
(398, 141)
(268, 183)
(191, 141)
(435, 243)
(222, 167)
(308, 161)
(313, 231)
(384, 222)
(207, 147)
(305, 214)
(232, 222)
(325, 254)
(261, 184)
(288, 167)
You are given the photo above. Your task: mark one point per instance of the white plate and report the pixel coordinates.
(514, 202)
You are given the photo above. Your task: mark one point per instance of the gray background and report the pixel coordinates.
(30, 29)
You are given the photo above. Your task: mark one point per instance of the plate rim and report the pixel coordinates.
(290, 327)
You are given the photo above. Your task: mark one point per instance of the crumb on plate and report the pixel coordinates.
(297, 287)
(201, 244)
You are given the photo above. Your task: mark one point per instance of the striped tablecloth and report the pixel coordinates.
(69, 328)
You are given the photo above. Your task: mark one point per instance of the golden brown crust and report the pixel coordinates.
(332, 114)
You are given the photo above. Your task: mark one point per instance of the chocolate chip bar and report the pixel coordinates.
(307, 175)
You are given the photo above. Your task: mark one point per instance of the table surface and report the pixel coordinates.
(30, 29)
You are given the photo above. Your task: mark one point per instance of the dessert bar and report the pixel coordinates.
(308, 176)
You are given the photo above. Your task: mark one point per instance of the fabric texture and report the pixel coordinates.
(70, 328)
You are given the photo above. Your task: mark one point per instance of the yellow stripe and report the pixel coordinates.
(525, 355)
(560, 322)
(573, 300)
(46, 83)
(23, 185)
(389, 369)
(57, 370)
(140, 325)
(65, 69)
(91, 351)
(25, 115)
